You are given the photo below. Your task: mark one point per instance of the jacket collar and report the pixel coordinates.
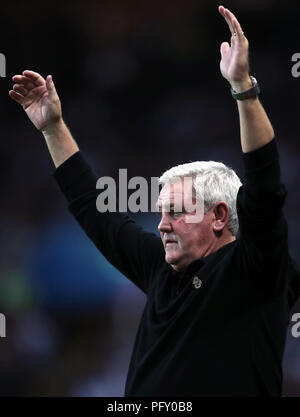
(198, 263)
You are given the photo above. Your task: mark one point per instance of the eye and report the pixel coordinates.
(174, 213)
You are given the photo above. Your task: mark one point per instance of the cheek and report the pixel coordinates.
(191, 233)
(184, 231)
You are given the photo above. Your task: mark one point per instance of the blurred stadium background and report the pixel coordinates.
(141, 89)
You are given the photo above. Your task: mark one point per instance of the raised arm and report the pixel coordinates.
(124, 244)
(39, 99)
(256, 129)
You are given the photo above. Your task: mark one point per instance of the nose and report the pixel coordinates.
(165, 224)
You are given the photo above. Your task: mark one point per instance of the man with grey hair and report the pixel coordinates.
(212, 182)
(217, 306)
(211, 190)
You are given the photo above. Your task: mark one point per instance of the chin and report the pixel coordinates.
(171, 259)
(179, 263)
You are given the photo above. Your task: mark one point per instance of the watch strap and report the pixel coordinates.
(250, 93)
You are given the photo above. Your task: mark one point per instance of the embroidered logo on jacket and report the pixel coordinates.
(197, 282)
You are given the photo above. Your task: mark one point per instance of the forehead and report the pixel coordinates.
(175, 192)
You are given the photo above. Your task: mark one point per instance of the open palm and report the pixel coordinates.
(234, 57)
(38, 98)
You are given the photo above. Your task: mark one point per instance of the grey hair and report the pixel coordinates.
(219, 182)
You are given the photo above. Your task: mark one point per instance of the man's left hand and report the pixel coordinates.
(234, 63)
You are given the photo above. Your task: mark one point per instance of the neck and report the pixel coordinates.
(215, 245)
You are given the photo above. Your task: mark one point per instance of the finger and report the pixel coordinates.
(225, 47)
(235, 24)
(226, 14)
(27, 82)
(222, 11)
(19, 88)
(35, 77)
(237, 27)
(16, 78)
(16, 96)
(20, 78)
(50, 86)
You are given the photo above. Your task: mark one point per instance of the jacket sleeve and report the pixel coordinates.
(263, 228)
(125, 245)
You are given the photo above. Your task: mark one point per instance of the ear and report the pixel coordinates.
(221, 213)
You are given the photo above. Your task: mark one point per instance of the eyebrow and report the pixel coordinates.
(170, 207)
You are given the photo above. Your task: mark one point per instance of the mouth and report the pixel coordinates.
(170, 242)
(169, 239)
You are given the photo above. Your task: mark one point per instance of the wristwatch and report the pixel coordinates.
(251, 93)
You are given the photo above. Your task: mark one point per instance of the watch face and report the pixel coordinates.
(254, 81)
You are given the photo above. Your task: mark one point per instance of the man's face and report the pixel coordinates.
(183, 240)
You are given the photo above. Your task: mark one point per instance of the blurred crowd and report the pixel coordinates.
(141, 89)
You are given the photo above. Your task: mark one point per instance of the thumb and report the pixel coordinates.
(50, 86)
(224, 48)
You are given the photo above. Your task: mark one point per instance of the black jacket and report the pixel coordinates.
(224, 336)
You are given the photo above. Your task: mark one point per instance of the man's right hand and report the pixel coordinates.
(41, 103)
(38, 97)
